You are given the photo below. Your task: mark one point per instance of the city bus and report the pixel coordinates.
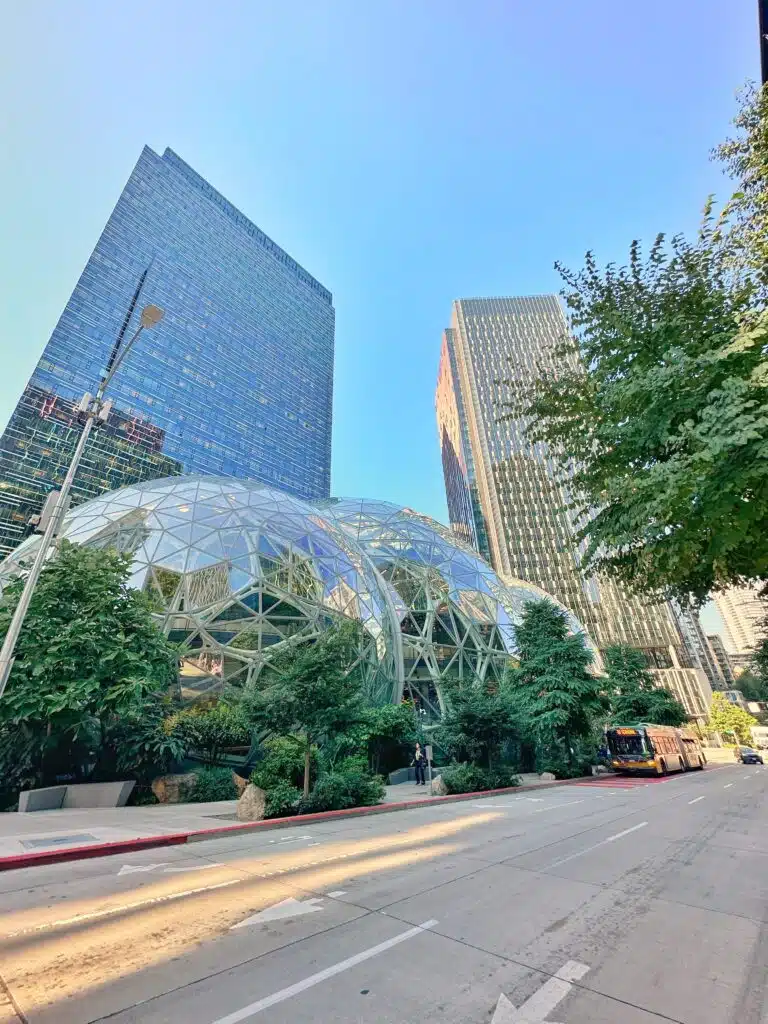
(653, 749)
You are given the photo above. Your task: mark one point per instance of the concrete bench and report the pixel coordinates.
(84, 794)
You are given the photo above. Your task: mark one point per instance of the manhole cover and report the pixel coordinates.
(77, 838)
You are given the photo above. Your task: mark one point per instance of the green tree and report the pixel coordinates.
(633, 694)
(88, 693)
(313, 692)
(753, 686)
(657, 418)
(727, 718)
(760, 658)
(208, 729)
(390, 736)
(557, 697)
(479, 720)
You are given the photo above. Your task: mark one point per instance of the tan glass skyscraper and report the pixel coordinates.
(503, 493)
(743, 612)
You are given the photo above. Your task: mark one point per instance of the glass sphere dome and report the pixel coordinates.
(457, 616)
(236, 571)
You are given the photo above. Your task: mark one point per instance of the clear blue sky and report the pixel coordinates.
(406, 152)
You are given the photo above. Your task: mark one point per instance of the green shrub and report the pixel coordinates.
(213, 784)
(209, 729)
(468, 778)
(17, 770)
(348, 785)
(552, 757)
(282, 800)
(283, 763)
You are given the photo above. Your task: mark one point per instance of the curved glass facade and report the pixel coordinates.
(456, 614)
(236, 571)
(236, 380)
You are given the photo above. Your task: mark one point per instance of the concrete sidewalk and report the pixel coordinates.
(46, 831)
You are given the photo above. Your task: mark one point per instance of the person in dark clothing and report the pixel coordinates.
(420, 764)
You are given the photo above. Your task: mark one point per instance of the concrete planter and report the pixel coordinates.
(84, 794)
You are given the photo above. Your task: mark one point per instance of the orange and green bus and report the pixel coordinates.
(653, 749)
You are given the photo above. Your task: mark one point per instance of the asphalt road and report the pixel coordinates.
(587, 904)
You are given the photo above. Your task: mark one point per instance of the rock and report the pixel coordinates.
(547, 777)
(439, 788)
(252, 804)
(600, 769)
(240, 783)
(174, 789)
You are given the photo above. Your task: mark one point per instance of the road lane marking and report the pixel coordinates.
(122, 909)
(132, 869)
(330, 972)
(536, 1009)
(603, 842)
(286, 908)
(552, 807)
(696, 800)
(727, 785)
(336, 893)
(192, 867)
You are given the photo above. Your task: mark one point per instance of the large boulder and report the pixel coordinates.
(439, 787)
(252, 804)
(548, 777)
(240, 783)
(174, 789)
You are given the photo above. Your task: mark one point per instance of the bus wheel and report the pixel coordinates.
(663, 766)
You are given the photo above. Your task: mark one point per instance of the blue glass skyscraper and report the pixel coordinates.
(237, 379)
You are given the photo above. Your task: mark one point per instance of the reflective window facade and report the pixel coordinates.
(520, 505)
(236, 380)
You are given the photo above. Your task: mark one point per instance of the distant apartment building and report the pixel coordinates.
(237, 379)
(723, 660)
(699, 646)
(744, 613)
(504, 494)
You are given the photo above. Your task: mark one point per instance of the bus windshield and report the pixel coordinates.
(627, 742)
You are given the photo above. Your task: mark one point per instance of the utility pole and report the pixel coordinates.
(92, 411)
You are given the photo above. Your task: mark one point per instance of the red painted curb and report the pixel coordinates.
(29, 860)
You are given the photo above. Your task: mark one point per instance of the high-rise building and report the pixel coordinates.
(505, 490)
(720, 655)
(698, 645)
(236, 380)
(743, 612)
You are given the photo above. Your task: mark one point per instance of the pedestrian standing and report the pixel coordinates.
(419, 763)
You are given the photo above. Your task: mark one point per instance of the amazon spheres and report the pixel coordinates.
(237, 570)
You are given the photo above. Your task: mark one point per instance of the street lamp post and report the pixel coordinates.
(93, 410)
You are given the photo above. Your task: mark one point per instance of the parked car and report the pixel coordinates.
(749, 756)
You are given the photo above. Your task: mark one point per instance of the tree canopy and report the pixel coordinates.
(730, 719)
(657, 417)
(553, 689)
(478, 721)
(310, 691)
(633, 694)
(89, 685)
